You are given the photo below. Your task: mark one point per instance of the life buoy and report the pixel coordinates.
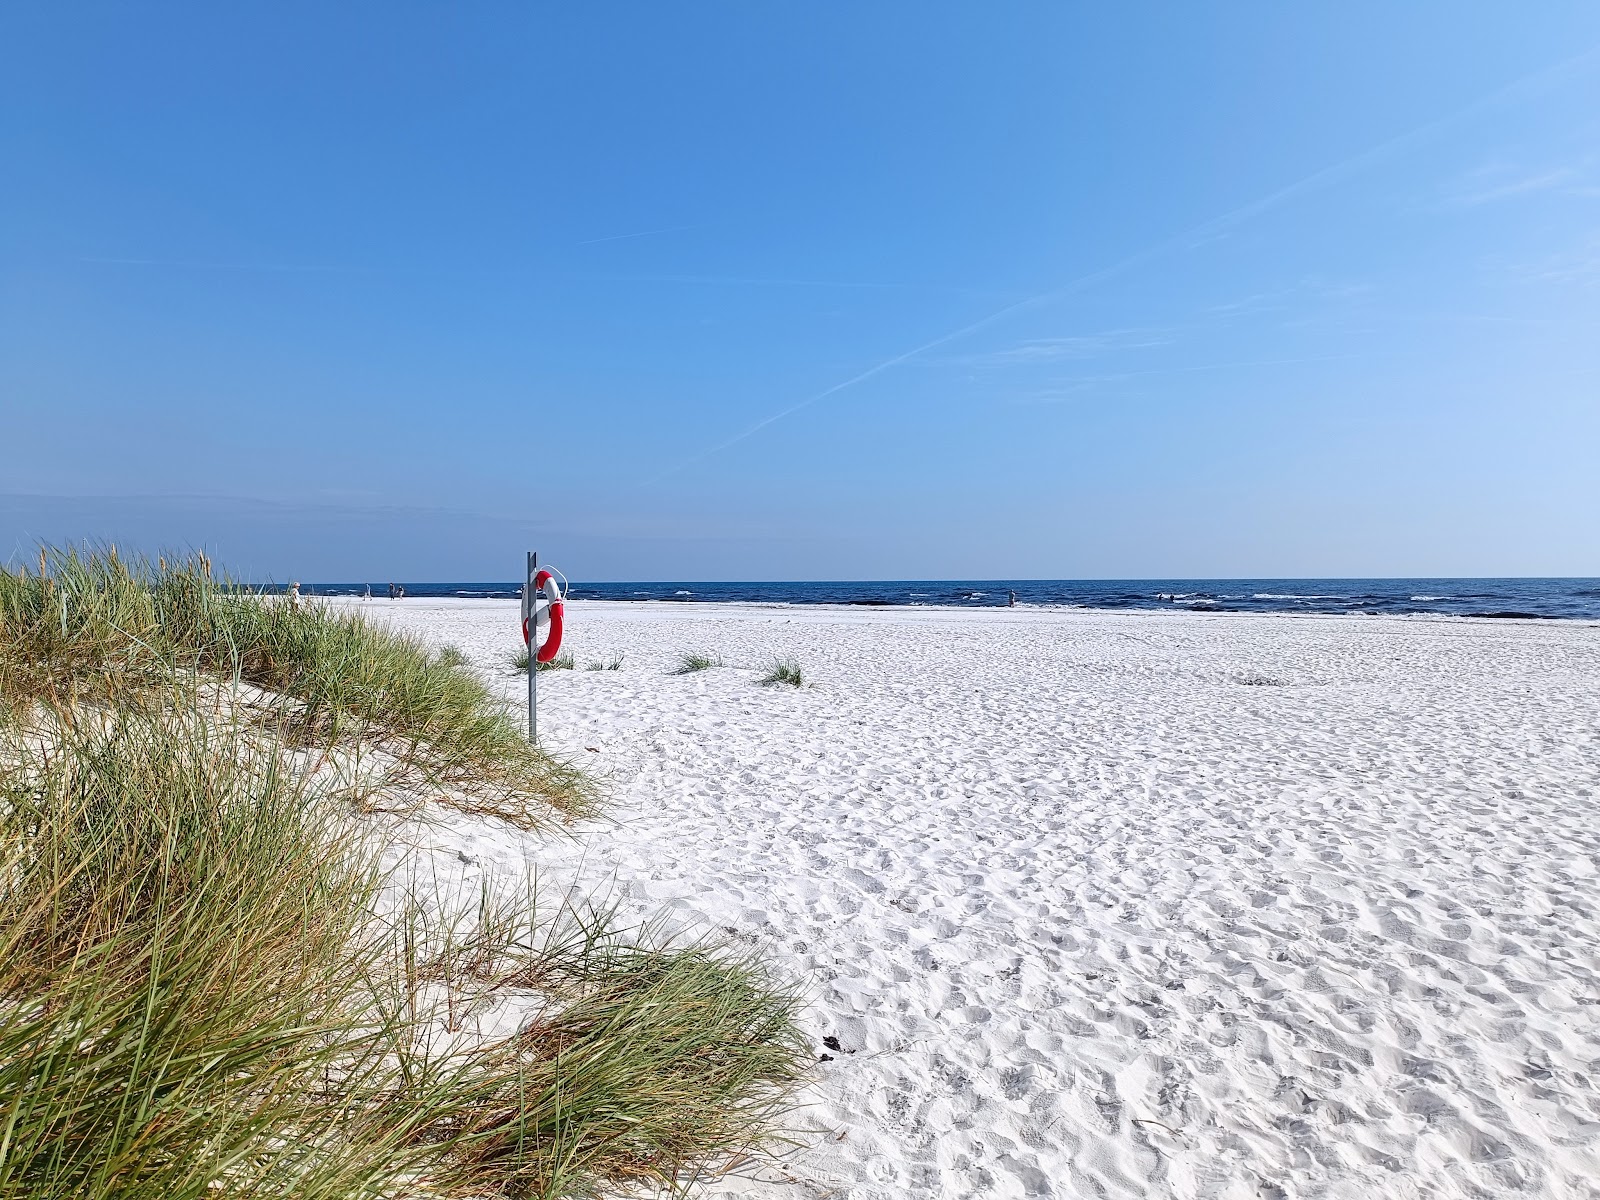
(550, 614)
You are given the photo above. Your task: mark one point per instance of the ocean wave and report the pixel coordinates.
(1575, 598)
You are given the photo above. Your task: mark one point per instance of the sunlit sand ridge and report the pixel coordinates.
(1116, 905)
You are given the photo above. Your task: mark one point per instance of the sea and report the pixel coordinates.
(1554, 599)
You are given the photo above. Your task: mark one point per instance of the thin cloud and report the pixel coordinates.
(1070, 388)
(1581, 264)
(203, 265)
(622, 237)
(1090, 345)
(1206, 230)
(782, 281)
(1491, 184)
(1278, 299)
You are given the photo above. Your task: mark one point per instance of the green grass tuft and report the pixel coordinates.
(690, 663)
(785, 671)
(561, 662)
(614, 663)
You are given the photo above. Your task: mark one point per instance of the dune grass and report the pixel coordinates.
(688, 664)
(783, 671)
(90, 625)
(210, 988)
(614, 663)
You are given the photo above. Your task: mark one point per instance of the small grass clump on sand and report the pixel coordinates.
(785, 671)
(93, 626)
(209, 987)
(688, 664)
(614, 663)
(561, 662)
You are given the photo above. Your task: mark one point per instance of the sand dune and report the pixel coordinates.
(1117, 905)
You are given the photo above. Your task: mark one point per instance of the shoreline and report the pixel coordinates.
(708, 607)
(1497, 599)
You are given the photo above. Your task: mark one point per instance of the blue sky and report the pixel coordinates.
(743, 291)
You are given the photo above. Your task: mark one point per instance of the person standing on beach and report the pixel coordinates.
(391, 591)
(1011, 603)
(294, 596)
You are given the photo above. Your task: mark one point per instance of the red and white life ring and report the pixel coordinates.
(550, 613)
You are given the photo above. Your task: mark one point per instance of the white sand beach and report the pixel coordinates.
(1114, 905)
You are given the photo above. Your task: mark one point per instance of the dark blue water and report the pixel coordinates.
(1553, 598)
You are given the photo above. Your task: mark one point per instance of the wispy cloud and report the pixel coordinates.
(1580, 264)
(622, 237)
(1039, 351)
(1069, 389)
(780, 281)
(1278, 299)
(205, 265)
(1495, 182)
(1077, 346)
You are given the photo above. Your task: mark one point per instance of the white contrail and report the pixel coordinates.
(1206, 229)
(879, 368)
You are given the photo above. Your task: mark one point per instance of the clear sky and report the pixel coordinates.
(739, 291)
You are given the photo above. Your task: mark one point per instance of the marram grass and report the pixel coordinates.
(91, 625)
(209, 988)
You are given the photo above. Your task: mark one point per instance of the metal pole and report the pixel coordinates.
(533, 648)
